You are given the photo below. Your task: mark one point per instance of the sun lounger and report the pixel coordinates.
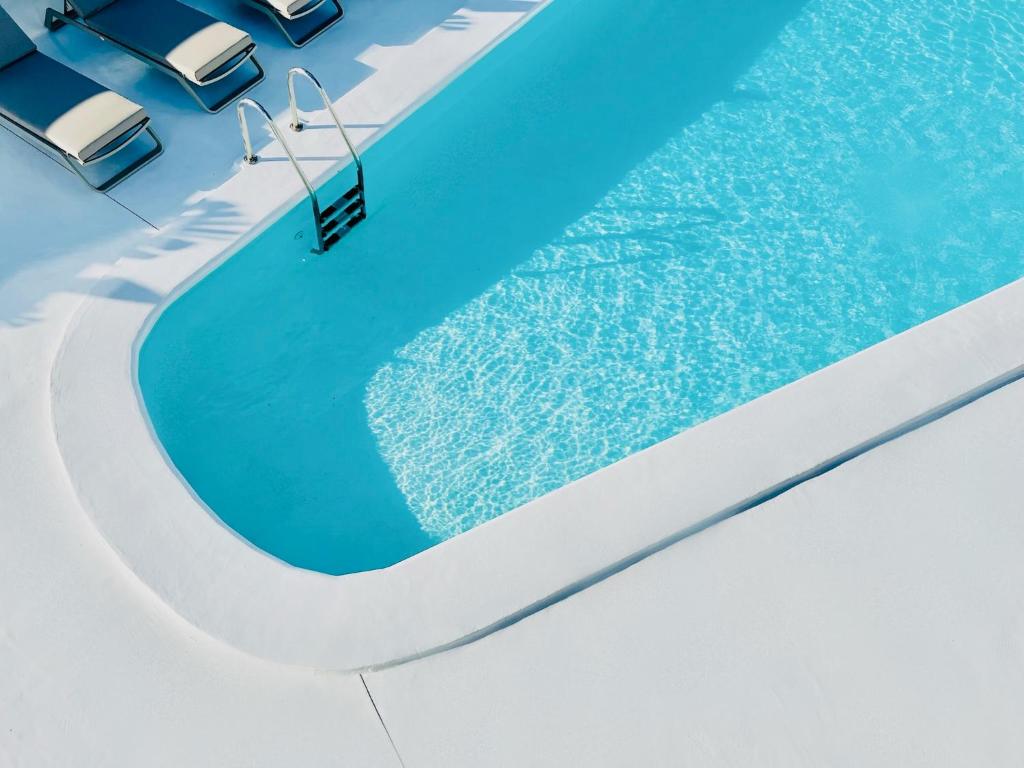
(190, 46)
(83, 122)
(301, 20)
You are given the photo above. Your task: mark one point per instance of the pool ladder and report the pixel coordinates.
(337, 219)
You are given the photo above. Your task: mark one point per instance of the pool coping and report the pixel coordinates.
(498, 572)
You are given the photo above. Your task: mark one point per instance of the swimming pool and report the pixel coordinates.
(616, 225)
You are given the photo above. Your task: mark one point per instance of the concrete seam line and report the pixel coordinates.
(381, 719)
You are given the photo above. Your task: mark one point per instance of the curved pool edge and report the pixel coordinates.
(481, 580)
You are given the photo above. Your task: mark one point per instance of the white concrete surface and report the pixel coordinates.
(95, 670)
(871, 617)
(104, 551)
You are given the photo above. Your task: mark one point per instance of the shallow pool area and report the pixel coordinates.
(613, 227)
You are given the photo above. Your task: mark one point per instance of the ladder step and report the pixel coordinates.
(338, 218)
(342, 202)
(343, 230)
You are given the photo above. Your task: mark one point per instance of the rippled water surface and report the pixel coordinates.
(619, 224)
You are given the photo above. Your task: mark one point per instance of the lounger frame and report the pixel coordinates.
(283, 23)
(56, 19)
(105, 152)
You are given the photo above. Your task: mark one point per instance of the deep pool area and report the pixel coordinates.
(620, 223)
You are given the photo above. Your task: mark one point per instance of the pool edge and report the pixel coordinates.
(480, 580)
(485, 578)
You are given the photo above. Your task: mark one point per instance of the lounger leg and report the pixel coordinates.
(313, 33)
(54, 19)
(125, 172)
(284, 24)
(146, 159)
(217, 106)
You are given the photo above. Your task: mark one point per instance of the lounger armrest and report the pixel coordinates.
(228, 67)
(117, 144)
(304, 10)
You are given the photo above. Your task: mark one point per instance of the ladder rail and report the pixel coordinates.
(251, 158)
(297, 125)
(337, 219)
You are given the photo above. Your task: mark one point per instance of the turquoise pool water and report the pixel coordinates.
(623, 221)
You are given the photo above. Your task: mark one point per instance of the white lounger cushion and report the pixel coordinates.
(92, 124)
(206, 50)
(288, 7)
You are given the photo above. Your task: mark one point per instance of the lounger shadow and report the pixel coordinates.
(195, 49)
(299, 20)
(80, 120)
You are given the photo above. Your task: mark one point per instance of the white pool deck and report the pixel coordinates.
(872, 613)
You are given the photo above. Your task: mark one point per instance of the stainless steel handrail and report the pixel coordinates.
(252, 159)
(296, 124)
